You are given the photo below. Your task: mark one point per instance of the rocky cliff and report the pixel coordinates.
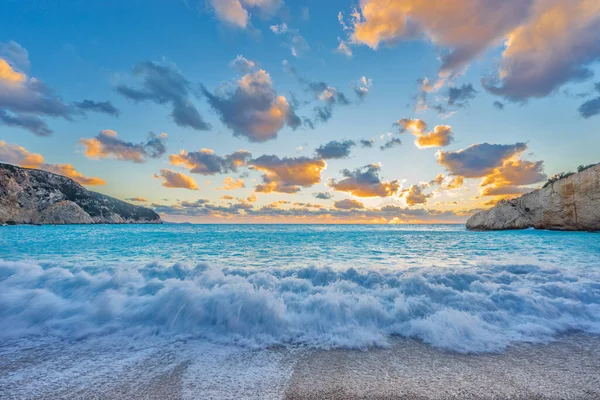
(31, 196)
(570, 204)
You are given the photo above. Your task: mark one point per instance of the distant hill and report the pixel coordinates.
(32, 196)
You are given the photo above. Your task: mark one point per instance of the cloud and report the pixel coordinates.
(172, 179)
(514, 173)
(464, 27)
(253, 109)
(232, 184)
(365, 182)
(459, 96)
(23, 100)
(287, 175)
(343, 48)
(305, 212)
(555, 45)
(348, 204)
(547, 43)
(335, 149)
(499, 105)
(440, 136)
(455, 183)
(107, 145)
(591, 107)
(362, 87)
(323, 195)
(414, 195)
(478, 160)
(206, 162)
(392, 142)
(366, 143)
(104, 107)
(138, 199)
(17, 155)
(237, 12)
(242, 65)
(15, 54)
(32, 123)
(294, 40)
(164, 84)
(321, 91)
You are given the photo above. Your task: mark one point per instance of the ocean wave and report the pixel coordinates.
(468, 310)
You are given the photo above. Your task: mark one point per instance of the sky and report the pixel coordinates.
(243, 111)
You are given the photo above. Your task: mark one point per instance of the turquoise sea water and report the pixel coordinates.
(351, 286)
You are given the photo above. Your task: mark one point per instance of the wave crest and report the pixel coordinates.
(476, 309)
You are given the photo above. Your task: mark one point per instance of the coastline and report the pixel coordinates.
(567, 368)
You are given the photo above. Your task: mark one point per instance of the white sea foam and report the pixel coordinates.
(475, 309)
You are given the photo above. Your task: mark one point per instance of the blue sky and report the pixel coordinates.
(84, 50)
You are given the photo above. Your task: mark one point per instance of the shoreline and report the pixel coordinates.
(567, 368)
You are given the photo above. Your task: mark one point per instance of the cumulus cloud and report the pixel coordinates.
(441, 135)
(348, 204)
(323, 195)
(366, 144)
(231, 184)
(555, 45)
(459, 96)
(24, 100)
(307, 212)
(335, 149)
(242, 65)
(206, 162)
(237, 12)
(514, 173)
(365, 182)
(164, 84)
(591, 107)
(343, 48)
(253, 109)
(172, 179)
(287, 175)
(17, 155)
(415, 195)
(547, 43)
(478, 160)
(328, 96)
(108, 145)
(32, 123)
(104, 107)
(362, 87)
(392, 142)
(499, 105)
(294, 40)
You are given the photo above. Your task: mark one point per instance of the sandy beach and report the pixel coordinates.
(568, 368)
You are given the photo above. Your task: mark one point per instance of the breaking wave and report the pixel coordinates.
(475, 309)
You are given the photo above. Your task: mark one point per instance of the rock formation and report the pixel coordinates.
(571, 204)
(31, 196)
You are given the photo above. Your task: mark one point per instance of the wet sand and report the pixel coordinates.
(568, 368)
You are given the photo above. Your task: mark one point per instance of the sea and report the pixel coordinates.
(242, 311)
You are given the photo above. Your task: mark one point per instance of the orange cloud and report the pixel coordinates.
(18, 155)
(107, 145)
(287, 175)
(440, 136)
(231, 184)
(172, 179)
(348, 204)
(414, 195)
(511, 176)
(9, 75)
